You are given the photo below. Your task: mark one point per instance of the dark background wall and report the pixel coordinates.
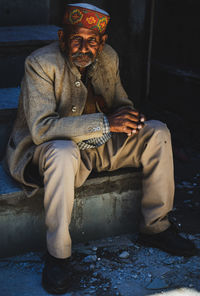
(19, 12)
(175, 68)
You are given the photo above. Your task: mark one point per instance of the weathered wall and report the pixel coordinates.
(127, 33)
(176, 32)
(175, 71)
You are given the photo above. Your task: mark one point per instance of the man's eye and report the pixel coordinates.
(92, 41)
(76, 39)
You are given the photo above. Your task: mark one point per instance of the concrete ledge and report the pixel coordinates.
(9, 98)
(21, 35)
(8, 109)
(107, 204)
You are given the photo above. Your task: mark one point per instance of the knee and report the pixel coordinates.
(158, 127)
(62, 149)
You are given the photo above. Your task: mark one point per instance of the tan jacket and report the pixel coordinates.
(51, 103)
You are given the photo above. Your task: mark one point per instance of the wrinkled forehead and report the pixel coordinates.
(76, 30)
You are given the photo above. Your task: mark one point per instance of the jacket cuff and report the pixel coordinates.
(106, 126)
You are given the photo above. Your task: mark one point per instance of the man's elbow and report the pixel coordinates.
(38, 136)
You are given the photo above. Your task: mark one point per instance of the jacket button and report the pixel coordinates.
(73, 108)
(95, 129)
(77, 84)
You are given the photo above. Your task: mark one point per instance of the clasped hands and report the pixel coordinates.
(126, 120)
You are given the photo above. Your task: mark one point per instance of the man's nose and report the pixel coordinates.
(84, 46)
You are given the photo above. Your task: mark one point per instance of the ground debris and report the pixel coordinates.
(157, 283)
(124, 255)
(104, 273)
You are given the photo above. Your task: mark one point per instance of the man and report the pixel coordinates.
(74, 116)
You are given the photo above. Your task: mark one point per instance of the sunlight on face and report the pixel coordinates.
(83, 46)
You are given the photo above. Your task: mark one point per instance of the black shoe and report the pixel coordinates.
(56, 276)
(169, 241)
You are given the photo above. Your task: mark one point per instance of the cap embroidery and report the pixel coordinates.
(102, 23)
(75, 16)
(91, 20)
(86, 18)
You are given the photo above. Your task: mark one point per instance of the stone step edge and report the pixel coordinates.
(8, 100)
(27, 35)
(11, 189)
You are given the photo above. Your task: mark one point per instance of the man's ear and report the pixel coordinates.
(61, 39)
(103, 41)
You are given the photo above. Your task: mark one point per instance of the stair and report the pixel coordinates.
(16, 43)
(8, 109)
(107, 204)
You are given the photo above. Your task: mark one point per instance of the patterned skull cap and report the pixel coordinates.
(87, 16)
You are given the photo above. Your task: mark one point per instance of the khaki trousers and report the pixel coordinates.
(65, 167)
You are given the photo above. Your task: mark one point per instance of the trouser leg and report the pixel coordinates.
(151, 148)
(58, 163)
(158, 178)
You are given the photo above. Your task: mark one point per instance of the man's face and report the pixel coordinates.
(83, 46)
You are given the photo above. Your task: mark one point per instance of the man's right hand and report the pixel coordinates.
(126, 120)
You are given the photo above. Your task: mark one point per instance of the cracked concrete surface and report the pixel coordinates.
(99, 268)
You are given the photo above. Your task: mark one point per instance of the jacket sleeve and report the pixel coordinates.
(40, 107)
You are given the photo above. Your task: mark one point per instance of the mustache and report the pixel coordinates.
(81, 54)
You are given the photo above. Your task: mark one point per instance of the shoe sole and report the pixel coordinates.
(55, 291)
(163, 248)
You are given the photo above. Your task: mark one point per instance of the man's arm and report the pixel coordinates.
(41, 110)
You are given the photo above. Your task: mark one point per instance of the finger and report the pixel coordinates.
(130, 116)
(126, 130)
(124, 117)
(130, 124)
(133, 112)
(134, 131)
(140, 125)
(142, 118)
(126, 112)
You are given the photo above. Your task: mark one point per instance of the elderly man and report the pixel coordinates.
(74, 116)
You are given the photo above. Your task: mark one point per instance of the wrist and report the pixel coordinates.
(106, 125)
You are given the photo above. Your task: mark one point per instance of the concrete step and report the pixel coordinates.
(107, 204)
(16, 43)
(8, 108)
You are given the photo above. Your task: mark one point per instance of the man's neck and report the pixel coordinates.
(82, 71)
(84, 77)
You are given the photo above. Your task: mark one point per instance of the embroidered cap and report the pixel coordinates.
(86, 15)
